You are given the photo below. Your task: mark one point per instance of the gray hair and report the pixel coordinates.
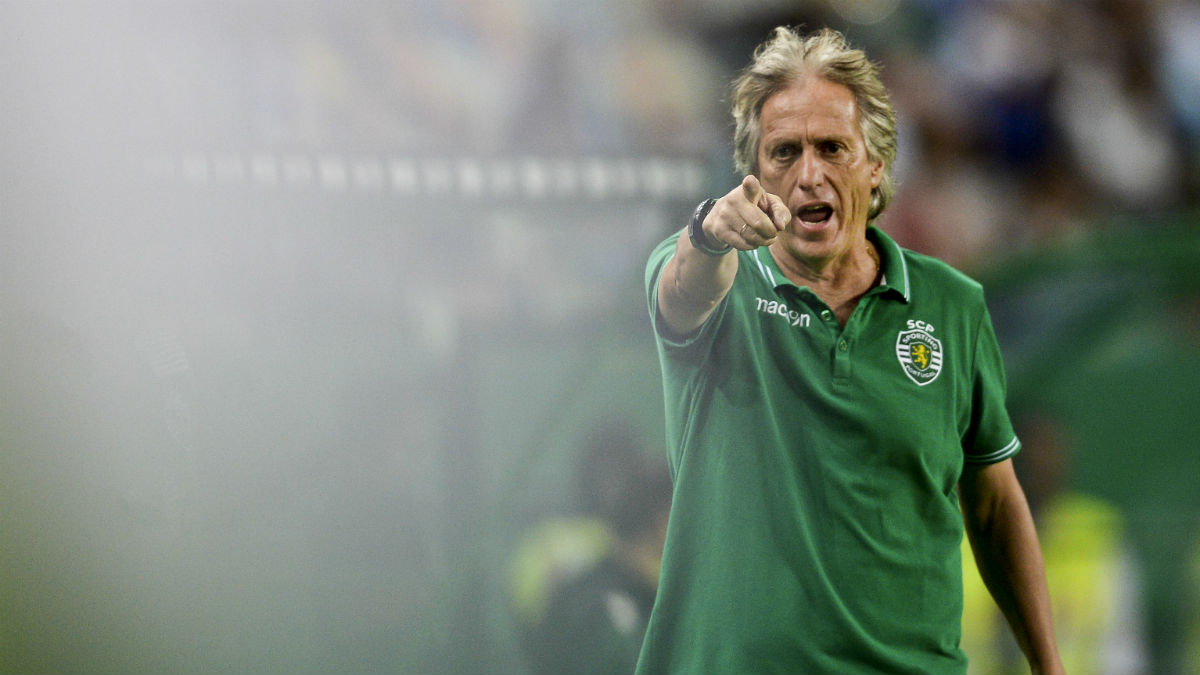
(785, 57)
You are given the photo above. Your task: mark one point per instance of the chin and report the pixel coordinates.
(826, 241)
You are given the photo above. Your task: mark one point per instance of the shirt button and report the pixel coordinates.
(826, 315)
(843, 345)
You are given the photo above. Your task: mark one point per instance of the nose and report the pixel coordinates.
(809, 173)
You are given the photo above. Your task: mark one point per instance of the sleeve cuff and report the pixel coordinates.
(1013, 447)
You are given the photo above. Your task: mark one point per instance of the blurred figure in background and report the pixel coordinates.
(582, 584)
(1096, 599)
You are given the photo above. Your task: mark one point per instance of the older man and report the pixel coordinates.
(835, 406)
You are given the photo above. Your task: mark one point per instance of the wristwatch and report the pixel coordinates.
(696, 230)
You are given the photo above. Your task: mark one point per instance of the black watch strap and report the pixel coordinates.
(696, 230)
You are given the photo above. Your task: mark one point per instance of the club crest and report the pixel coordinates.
(920, 355)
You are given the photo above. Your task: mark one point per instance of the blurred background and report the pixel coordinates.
(323, 341)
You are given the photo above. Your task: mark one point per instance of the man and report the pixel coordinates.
(830, 399)
(583, 583)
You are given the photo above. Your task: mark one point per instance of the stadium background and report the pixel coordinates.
(308, 308)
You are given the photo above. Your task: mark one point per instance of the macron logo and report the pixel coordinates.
(779, 309)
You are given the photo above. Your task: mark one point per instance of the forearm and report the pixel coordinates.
(692, 285)
(1009, 558)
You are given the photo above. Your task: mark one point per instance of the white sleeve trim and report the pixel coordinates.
(992, 457)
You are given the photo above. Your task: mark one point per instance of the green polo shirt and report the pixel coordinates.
(815, 524)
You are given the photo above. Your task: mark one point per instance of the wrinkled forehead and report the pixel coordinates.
(810, 106)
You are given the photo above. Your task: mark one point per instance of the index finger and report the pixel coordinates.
(753, 190)
(769, 204)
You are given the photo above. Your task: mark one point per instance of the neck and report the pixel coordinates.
(855, 270)
(840, 282)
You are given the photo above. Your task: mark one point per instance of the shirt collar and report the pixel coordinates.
(891, 259)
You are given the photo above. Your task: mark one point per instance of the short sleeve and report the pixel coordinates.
(659, 257)
(990, 437)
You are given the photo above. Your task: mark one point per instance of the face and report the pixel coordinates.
(813, 156)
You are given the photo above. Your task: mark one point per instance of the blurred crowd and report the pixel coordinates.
(1028, 121)
(1022, 121)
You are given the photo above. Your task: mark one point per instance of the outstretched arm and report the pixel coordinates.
(1005, 543)
(693, 283)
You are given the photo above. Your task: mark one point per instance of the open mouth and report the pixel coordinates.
(816, 213)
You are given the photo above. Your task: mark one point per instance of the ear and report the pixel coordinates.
(876, 173)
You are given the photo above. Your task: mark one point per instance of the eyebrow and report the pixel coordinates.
(817, 140)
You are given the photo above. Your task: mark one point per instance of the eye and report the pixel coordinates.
(784, 152)
(832, 148)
